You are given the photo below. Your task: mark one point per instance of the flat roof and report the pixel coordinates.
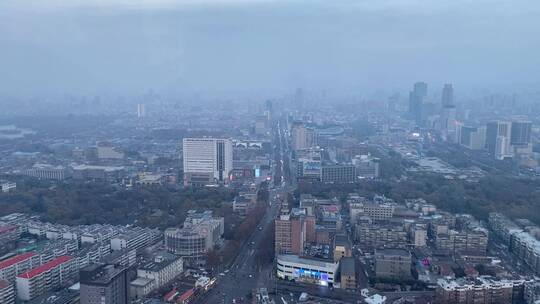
(393, 251)
(347, 266)
(291, 258)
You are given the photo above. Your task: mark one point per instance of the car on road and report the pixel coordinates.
(250, 276)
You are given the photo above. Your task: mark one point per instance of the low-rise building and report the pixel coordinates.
(302, 269)
(393, 264)
(199, 234)
(7, 292)
(162, 269)
(483, 289)
(7, 186)
(12, 267)
(51, 275)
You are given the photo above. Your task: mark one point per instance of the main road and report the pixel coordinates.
(234, 284)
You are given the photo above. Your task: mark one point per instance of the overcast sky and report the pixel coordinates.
(121, 46)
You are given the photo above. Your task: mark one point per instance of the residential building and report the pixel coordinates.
(342, 247)
(483, 289)
(12, 267)
(7, 292)
(348, 273)
(137, 238)
(393, 264)
(104, 284)
(59, 272)
(302, 137)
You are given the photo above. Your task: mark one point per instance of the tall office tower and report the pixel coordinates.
(104, 284)
(207, 160)
(498, 135)
(141, 110)
(473, 138)
(521, 133)
(302, 137)
(416, 101)
(268, 111)
(299, 98)
(448, 122)
(447, 99)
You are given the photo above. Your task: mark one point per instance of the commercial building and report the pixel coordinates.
(498, 136)
(162, 269)
(416, 101)
(59, 272)
(473, 138)
(483, 289)
(44, 171)
(393, 264)
(366, 166)
(7, 292)
(199, 234)
(521, 132)
(101, 173)
(347, 270)
(301, 269)
(207, 160)
(104, 284)
(108, 151)
(338, 174)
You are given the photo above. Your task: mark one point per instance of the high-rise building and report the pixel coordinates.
(473, 138)
(207, 160)
(141, 110)
(104, 284)
(292, 231)
(498, 135)
(447, 99)
(303, 137)
(521, 132)
(416, 101)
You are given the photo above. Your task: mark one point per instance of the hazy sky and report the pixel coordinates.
(121, 46)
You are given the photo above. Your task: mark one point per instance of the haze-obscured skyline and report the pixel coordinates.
(123, 47)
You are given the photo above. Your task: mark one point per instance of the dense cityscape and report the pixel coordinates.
(281, 202)
(269, 152)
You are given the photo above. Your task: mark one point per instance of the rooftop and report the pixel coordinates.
(16, 259)
(45, 267)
